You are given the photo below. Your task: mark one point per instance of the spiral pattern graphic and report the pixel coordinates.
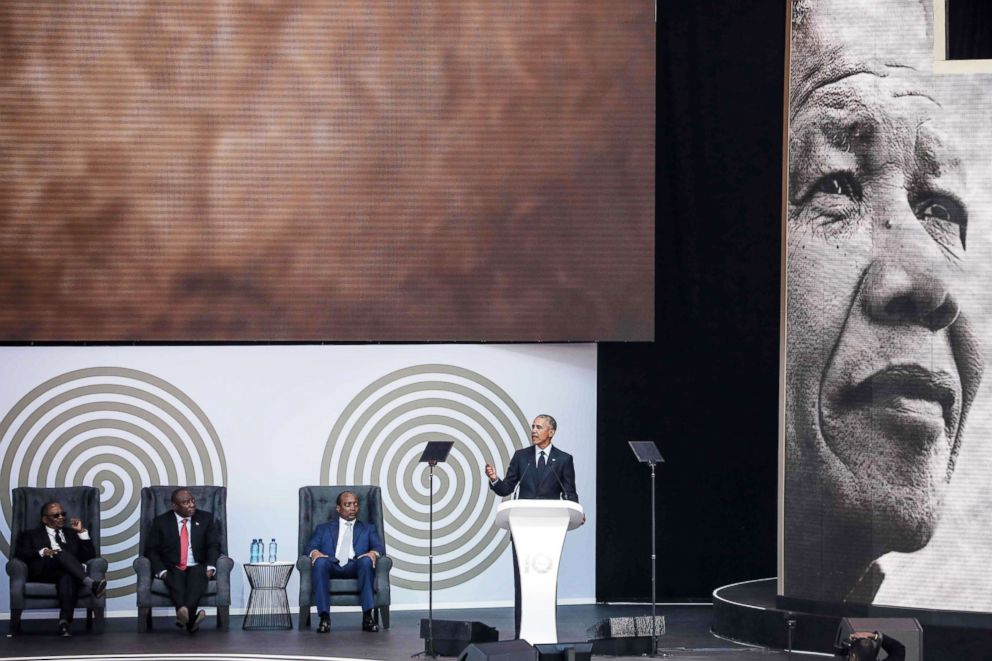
(114, 428)
(381, 434)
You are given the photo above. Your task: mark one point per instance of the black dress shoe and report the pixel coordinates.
(64, 629)
(182, 617)
(368, 621)
(325, 624)
(99, 588)
(194, 624)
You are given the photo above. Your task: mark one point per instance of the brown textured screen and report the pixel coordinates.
(343, 171)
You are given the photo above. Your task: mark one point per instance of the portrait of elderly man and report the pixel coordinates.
(883, 355)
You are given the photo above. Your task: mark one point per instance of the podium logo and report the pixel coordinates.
(114, 428)
(378, 439)
(538, 563)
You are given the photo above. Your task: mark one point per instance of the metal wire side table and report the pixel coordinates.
(268, 605)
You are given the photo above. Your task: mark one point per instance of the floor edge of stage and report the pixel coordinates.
(749, 612)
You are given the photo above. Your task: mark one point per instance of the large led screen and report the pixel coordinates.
(435, 170)
(887, 417)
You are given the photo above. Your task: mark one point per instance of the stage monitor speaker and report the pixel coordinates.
(452, 636)
(564, 652)
(624, 636)
(507, 650)
(904, 629)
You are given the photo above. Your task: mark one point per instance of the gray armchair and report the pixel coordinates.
(317, 506)
(152, 592)
(82, 502)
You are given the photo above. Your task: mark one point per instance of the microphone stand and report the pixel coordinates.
(429, 643)
(654, 573)
(790, 625)
(647, 453)
(434, 452)
(430, 568)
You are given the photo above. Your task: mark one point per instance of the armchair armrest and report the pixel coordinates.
(16, 568)
(381, 582)
(306, 587)
(223, 577)
(18, 572)
(96, 568)
(143, 588)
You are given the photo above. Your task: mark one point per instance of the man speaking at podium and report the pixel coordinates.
(542, 472)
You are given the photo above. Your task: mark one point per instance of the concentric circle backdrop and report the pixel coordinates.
(378, 439)
(114, 428)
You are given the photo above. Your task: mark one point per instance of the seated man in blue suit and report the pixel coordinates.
(345, 548)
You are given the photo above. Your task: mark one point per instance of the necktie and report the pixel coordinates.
(183, 546)
(345, 551)
(61, 536)
(55, 540)
(541, 463)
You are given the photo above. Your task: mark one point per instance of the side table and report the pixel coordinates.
(268, 605)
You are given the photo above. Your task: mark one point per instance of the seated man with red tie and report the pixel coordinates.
(345, 548)
(55, 553)
(183, 547)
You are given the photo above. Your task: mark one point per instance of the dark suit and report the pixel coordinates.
(65, 569)
(556, 480)
(185, 587)
(364, 538)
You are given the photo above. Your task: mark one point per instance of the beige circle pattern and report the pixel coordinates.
(378, 439)
(115, 428)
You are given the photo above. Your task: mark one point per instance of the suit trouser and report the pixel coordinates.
(324, 569)
(187, 587)
(67, 573)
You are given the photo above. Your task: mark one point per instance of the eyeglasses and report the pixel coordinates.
(57, 515)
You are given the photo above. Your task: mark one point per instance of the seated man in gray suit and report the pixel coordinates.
(344, 548)
(55, 553)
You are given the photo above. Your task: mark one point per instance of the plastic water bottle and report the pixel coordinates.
(253, 555)
(273, 550)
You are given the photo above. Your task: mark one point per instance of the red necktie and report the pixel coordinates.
(183, 546)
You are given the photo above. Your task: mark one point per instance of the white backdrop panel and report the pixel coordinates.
(269, 419)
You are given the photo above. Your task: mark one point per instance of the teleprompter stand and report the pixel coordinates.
(436, 451)
(647, 453)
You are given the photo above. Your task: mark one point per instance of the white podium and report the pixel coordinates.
(538, 528)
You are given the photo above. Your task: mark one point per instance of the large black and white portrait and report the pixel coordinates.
(888, 424)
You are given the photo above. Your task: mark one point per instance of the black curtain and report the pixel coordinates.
(707, 389)
(969, 30)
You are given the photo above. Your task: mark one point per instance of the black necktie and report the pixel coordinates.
(541, 463)
(61, 538)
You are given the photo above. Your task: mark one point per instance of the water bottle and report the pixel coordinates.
(273, 550)
(253, 555)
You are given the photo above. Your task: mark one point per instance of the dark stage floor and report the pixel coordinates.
(688, 636)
